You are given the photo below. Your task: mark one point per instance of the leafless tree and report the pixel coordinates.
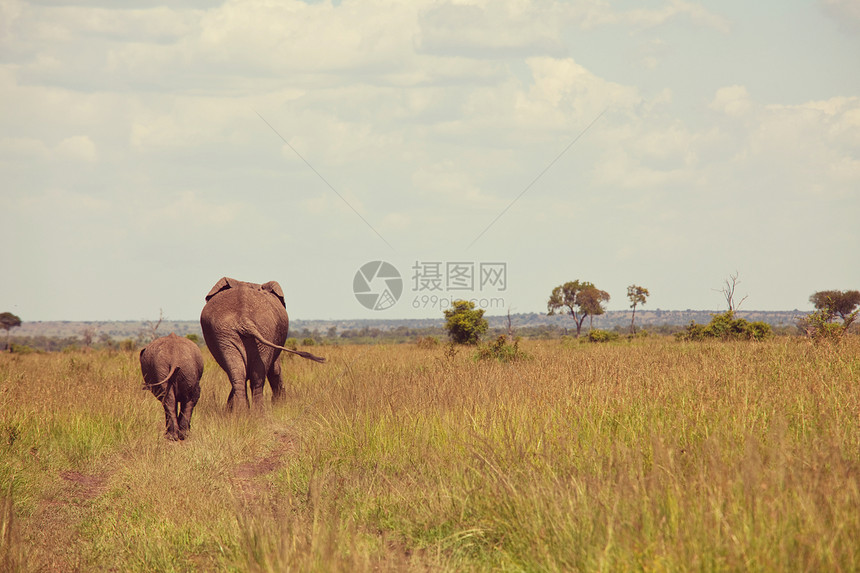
(728, 291)
(149, 332)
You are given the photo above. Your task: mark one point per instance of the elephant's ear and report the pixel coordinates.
(222, 284)
(274, 288)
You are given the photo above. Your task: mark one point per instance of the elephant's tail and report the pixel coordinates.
(253, 332)
(173, 369)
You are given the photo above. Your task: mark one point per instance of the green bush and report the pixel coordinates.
(20, 349)
(501, 350)
(726, 327)
(598, 335)
(820, 327)
(760, 330)
(464, 324)
(694, 331)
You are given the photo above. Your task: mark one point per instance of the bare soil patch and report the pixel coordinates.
(84, 486)
(268, 463)
(52, 530)
(252, 492)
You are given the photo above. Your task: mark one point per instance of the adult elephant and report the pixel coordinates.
(245, 326)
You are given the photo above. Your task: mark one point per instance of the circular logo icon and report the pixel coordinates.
(377, 285)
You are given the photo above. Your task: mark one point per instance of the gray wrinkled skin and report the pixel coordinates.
(245, 326)
(172, 367)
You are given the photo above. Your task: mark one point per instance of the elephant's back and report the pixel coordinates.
(230, 310)
(188, 356)
(171, 353)
(174, 350)
(221, 314)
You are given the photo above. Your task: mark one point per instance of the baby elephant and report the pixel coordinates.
(172, 367)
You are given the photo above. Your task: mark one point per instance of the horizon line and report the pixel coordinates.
(293, 319)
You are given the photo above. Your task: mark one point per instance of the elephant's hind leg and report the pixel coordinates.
(258, 380)
(234, 366)
(275, 380)
(169, 403)
(258, 359)
(186, 408)
(238, 389)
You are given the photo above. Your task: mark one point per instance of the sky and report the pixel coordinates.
(483, 150)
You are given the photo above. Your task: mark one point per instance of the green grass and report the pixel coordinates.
(650, 455)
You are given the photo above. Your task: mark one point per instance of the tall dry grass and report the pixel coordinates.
(650, 455)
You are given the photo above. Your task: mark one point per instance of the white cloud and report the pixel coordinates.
(733, 101)
(565, 94)
(813, 126)
(427, 116)
(669, 146)
(158, 24)
(256, 37)
(619, 169)
(597, 14)
(303, 44)
(697, 14)
(490, 30)
(186, 121)
(815, 142)
(78, 147)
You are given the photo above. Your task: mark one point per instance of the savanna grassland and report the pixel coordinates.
(650, 455)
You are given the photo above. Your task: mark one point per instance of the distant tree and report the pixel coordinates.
(728, 291)
(637, 295)
(8, 321)
(579, 299)
(820, 325)
(836, 303)
(88, 334)
(510, 326)
(592, 299)
(464, 324)
(106, 341)
(149, 331)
